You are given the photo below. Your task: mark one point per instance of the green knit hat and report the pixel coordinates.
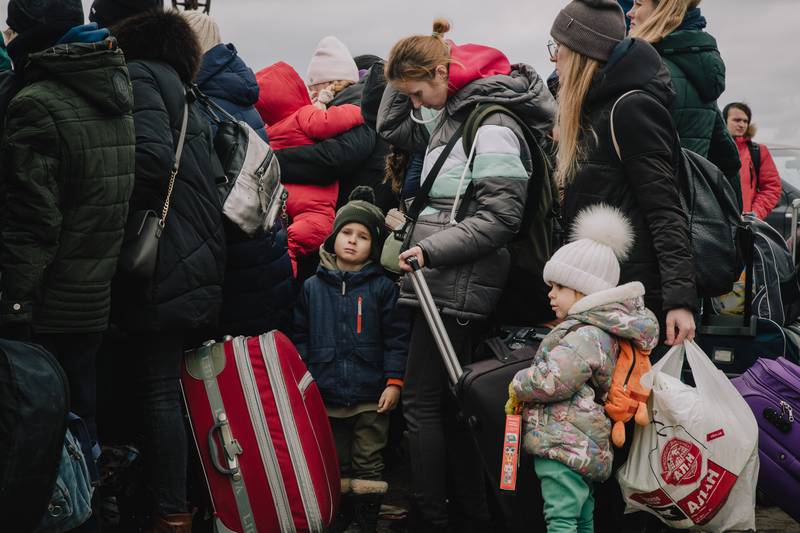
(362, 209)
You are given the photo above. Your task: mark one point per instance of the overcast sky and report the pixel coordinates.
(759, 40)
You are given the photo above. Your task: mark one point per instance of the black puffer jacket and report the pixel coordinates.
(356, 157)
(163, 55)
(645, 185)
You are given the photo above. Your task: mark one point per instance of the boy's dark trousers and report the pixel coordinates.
(441, 448)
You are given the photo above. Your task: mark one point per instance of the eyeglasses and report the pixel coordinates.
(552, 49)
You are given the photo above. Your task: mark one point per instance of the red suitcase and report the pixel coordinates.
(263, 435)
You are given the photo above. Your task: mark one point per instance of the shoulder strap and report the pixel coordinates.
(755, 155)
(474, 122)
(611, 118)
(177, 164)
(213, 108)
(422, 195)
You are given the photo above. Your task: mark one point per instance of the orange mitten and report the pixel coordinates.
(627, 397)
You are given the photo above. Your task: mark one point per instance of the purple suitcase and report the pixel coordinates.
(772, 389)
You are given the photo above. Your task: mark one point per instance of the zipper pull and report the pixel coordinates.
(358, 317)
(343, 287)
(787, 409)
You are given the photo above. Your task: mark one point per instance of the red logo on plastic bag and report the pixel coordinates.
(703, 503)
(681, 462)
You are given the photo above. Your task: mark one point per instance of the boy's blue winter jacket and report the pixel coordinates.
(350, 359)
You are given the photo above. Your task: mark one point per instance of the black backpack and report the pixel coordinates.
(714, 214)
(524, 300)
(34, 397)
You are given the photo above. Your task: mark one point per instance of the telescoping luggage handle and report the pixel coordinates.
(440, 336)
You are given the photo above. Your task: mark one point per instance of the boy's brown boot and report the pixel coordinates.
(174, 523)
(368, 495)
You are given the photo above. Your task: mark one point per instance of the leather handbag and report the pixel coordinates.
(251, 194)
(144, 228)
(397, 240)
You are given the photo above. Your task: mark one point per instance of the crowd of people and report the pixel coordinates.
(98, 129)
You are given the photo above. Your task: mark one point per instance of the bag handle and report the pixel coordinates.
(177, 164)
(611, 118)
(424, 191)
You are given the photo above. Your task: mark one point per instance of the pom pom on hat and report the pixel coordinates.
(362, 192)
(601, 238)
(605, 225)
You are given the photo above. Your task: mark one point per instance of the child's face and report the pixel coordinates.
(562, 299)
(352, 246)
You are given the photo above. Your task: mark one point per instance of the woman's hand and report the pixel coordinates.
(416, 251)
(683, 321)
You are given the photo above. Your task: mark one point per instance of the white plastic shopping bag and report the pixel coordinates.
(696, 464)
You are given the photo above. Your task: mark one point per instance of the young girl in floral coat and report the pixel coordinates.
(565, 427)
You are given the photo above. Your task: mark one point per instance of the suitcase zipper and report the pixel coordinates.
(270, 354)
(784, 406)
(258, 421)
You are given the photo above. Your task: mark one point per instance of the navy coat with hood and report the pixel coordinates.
(351, 365)
(644, 185)
(186, 292)
(231, 84)
(258, 290)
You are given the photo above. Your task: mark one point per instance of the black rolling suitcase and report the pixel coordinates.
(481, 390)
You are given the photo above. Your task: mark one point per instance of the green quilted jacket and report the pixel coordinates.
(698, 75)
(66, 175)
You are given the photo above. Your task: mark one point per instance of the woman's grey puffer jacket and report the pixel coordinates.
(467, 263)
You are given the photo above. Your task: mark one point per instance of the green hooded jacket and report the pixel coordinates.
(698, 75)
(66, 175)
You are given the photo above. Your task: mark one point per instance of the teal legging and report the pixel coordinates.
(568, 500)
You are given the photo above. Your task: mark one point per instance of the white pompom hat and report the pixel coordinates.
(601, 238)
(332, 61)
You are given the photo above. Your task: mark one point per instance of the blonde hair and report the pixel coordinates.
(666, 17)
(325, 96)
(416, 57)
(576, 78)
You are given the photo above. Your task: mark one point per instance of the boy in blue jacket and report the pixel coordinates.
(355, 343)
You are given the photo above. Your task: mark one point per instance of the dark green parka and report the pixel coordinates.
(65, 179)
(698, 76)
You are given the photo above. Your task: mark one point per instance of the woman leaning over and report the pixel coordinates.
(433, 85)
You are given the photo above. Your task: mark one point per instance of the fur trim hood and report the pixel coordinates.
(162, 36)
(620, 312)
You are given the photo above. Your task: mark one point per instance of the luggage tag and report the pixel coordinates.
(510, 462)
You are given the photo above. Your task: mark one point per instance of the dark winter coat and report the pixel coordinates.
(186, 291)
(258, 289)
(467, 263)
(231, 84)
(356, 157)
(65, 180)
(259, 286)
(644, 186)
(698, 77)
(350, 360)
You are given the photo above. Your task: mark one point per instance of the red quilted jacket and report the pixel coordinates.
(292, 120)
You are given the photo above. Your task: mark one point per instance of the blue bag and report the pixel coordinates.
(71, 501)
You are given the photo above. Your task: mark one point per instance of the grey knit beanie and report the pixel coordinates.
(590, 27)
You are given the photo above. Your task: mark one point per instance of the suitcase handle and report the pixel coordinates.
(230, 447)
(440, 336)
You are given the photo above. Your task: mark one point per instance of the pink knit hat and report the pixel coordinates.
(332, 61)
